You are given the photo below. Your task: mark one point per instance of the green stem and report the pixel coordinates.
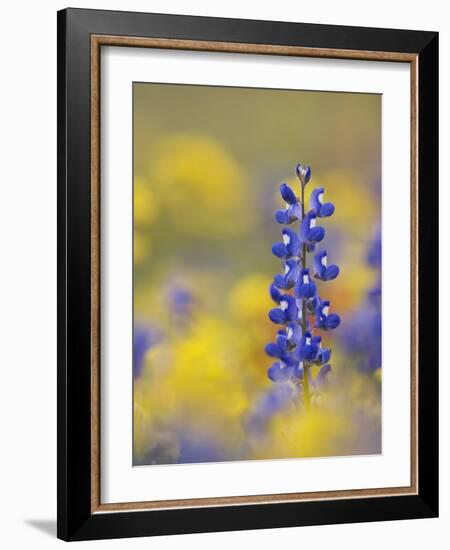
(306, 391)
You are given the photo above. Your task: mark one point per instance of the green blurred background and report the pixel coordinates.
(208, 162)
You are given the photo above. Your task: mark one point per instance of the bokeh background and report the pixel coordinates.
(208, 162)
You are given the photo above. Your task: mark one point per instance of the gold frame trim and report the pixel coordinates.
(97, 41)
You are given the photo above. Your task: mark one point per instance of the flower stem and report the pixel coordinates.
(304, 323)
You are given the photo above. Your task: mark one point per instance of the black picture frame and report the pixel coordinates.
(75, 518)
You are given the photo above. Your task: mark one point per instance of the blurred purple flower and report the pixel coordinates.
(361, 336)
(144, 338)
(196, 449)
(374, 251)
(181, 300)
(274, 400)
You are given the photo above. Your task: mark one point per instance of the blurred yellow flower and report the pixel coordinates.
(356, 207)
(203, 376)
(196, 383)
(145, 202)
(319, 433)
(204, 190)
(356, 279)
(249, 303)
(249, 297)
(377, 375)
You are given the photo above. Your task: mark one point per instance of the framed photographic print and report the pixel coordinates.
(247, 255)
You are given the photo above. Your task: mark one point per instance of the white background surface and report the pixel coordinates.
(119, 481)
(28, 275)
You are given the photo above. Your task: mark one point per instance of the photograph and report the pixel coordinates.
(222, 286)
(257, 288)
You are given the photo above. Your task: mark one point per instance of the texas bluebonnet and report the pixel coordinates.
(300, 310)
(361, 337)
(144, 338)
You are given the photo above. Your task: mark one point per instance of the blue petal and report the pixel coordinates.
(314, 201)
(320, 305)
(304, 227)
(308, 235)
(282, 342)
(295, 212)
(332, 321)
(325, 355)
(287, 194)
(307, 352)
(280, 250)
(305, 289)
(290, 360)
(307, 175)
(319, 268)
(326, 210)
(279, 374)
(293, 246)
(321, 210)
(280, 281)
(316, 234)
(277, 316)
(275, 294)
(328, 322)
(331, 272)
(273, 350)
(290, 278)
(296, 334)
(292, 312)
(282, 216)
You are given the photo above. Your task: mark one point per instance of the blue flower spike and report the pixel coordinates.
(297, 348)
(322, 270)
(316, 204)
